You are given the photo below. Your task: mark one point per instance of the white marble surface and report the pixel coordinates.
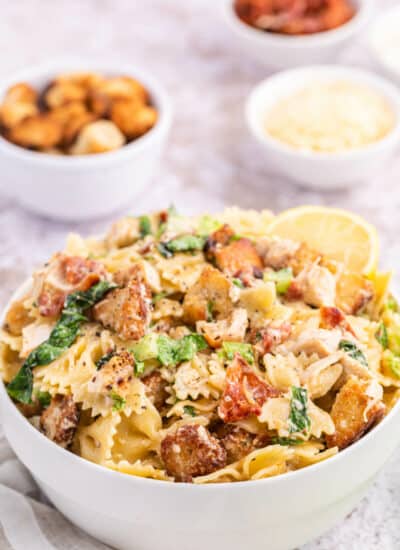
(211, 160)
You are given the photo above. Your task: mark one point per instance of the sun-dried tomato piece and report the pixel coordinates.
(244, 393)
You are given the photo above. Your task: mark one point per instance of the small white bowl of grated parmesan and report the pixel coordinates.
(326, 126)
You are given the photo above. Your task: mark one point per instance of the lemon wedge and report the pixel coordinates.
(340, 235)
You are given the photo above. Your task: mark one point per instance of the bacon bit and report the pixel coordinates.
(295, 291)
(51, 301)
(271, 336)
(68, 274)
(244, 393)
(331, 317)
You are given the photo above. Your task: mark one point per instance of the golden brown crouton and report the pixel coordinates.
(60, 420)
(132, 118)
(156, 389)
(21, 93)
(356, 409)
(36, 132)
(191, 451)
(60, 93)
(353, 293)
(17, 318)
(84, 79)
(13, 112)
(122, 87)
(238, 257)
(65, 112)
(127, 310)
(74, 125)
(98, 137)
(211, 295)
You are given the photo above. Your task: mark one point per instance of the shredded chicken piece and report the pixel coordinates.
(315, 285)
(229, 330)
(277, 253)
(320, 341)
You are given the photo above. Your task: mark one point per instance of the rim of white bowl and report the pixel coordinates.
(158, 95)
(232, 486)
(370, 80)
(377, 26)
(365, 9)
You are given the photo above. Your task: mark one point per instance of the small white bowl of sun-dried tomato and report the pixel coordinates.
(79, 139)
(284, 34)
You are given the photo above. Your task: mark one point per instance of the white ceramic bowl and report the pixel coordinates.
(313, 169)
(76, 188)
(126, 512)
(384, 42)
(281, 51)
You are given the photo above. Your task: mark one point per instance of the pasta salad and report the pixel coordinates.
(202, 349)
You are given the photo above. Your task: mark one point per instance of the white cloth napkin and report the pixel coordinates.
(27, 522)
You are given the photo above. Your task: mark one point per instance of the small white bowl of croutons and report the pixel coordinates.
(79, 140)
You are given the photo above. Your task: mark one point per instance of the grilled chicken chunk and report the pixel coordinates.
(59, 421)
(127, 310)
(114, 375)
(191, 451)
(356, 409)
(156, 389)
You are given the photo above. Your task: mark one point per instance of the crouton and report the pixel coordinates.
(74, 125)
(356, 409)
(12, 113)
(59, 421)
(36, 132)
(191, 451)
(60, 93)
(21, 93)
(212, 291)
(98, 137)
(132, 117)
(238, 258)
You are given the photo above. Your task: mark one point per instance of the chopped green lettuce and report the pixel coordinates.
(245, 350)
(353, 351)
(281, 278)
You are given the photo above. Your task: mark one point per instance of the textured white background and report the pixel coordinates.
(211, 161)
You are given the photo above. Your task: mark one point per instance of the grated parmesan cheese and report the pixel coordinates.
(330, 117)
